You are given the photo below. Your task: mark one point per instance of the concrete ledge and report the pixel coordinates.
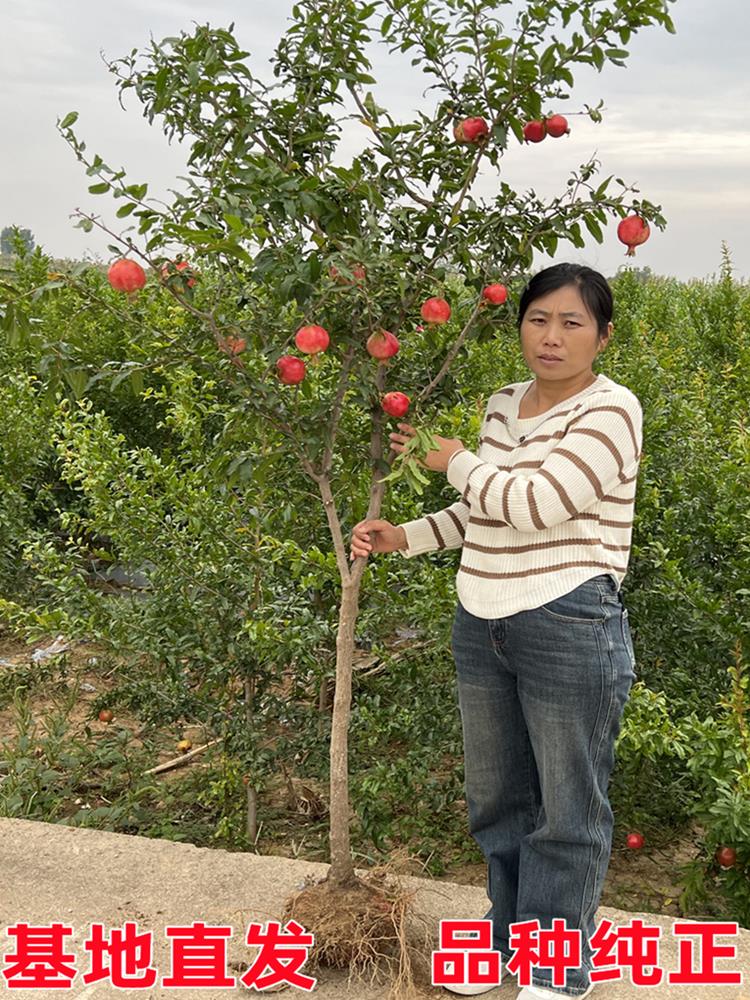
(58, 873)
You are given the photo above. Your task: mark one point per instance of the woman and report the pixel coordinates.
(541, 639)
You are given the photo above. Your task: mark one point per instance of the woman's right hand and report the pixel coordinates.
(376, 536)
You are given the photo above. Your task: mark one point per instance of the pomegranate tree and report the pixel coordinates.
(279, 203)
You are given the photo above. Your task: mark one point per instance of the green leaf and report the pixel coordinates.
(125, 210)
(136, 382)
(76, 379)
(234, 222)
(99, 188)
(70, 119)
(574, 234)
(593, 227)
(547, 62)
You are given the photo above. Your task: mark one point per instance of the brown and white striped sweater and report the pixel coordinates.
(546, 503)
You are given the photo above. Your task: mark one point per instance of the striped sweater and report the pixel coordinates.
(546, 503)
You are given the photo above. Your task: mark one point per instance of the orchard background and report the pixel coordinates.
(138, 449)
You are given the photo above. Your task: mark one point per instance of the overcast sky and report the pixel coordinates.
(677, 121)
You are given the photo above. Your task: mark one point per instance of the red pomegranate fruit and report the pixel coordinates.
(726, 856)
(126, 275)
(311, 339)
(556, 125)
(358, 271)
(291, 370)
(495, 294)
(436, 310)
(635, 841)
(471, 130)
(633, 231)
(235, 345)
(534, 131)
(180, 266)
(395, 403)
(382, 344)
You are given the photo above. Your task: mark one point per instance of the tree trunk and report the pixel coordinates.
(252, 791)
(342, 866)
(252, 814)
(322, 704)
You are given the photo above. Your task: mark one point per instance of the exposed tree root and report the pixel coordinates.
(367, 926)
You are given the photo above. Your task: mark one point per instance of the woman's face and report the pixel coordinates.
(558, 325)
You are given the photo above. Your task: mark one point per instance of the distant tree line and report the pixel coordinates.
(10, 234)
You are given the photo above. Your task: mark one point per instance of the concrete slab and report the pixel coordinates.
(55, 873)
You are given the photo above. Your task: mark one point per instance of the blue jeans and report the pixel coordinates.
(541, 695)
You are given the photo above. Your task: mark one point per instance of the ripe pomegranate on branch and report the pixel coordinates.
(285, 215)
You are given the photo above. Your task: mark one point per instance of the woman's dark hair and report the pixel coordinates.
(595, 292)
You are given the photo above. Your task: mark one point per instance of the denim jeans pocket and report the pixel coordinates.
(583, 604)
(627, 638)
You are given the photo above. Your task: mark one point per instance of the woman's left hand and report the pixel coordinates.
(436, 460)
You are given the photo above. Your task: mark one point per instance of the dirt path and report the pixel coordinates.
(53, 872)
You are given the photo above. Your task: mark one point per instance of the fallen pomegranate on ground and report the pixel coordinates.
(633, 231)
(184, 745)
(726, 856)
(106, 715)
(635, 841)
(534, 131)
(556, 125)
(382, 344)
(471, 130)
(436, 310)
(395, 404)
(495, 294)
(126, 275)
(290, 370)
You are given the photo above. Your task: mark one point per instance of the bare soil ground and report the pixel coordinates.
(645, 880)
